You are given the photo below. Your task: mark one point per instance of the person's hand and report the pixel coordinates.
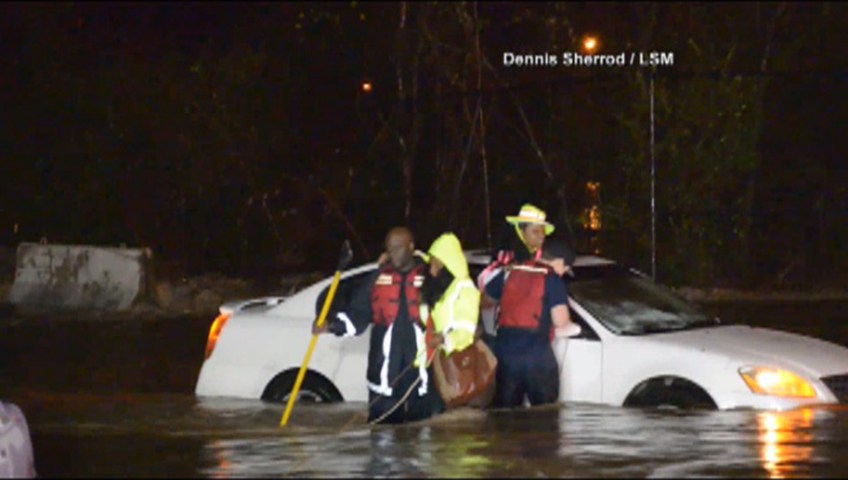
(504, 257)
(437, 340)
(384, 257)
(570, 329)
(316, 330)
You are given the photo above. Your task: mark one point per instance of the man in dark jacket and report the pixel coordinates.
(398, 391)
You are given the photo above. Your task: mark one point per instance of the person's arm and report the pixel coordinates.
(502, 259)
(494, 287)
(558, 301)
(560, 316)
(355, 317)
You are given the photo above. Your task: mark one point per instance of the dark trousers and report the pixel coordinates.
(416, 407)
(533, 372)
(489, 340)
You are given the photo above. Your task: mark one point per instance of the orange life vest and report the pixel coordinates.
(523, 296)
(385, 296)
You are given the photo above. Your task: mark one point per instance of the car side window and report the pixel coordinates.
(344, 292)
(586, 332)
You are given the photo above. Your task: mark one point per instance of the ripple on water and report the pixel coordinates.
(221, 437)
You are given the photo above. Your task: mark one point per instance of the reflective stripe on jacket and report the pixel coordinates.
(392, 341)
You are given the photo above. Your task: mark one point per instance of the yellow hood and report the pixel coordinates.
(449, 251)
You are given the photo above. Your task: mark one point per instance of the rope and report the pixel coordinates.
(370, 404)
(405, 395)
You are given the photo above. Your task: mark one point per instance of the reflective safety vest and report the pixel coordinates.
(385, 296)
(523, 296)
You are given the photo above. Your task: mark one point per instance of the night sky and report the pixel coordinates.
(237, 137)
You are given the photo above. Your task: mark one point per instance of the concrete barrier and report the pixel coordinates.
(69, 277)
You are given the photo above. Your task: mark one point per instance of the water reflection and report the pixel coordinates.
(548, 442)
(220, 456)
(397, 452)
(122, 435)
(449, 446)
(785, 440)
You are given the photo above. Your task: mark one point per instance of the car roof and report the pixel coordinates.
(483, 257)
(586, 267)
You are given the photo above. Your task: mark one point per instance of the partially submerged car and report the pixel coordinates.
(16, 458)
(638, 344)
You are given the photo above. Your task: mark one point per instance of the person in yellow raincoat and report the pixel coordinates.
(450, 297)
(451, 310)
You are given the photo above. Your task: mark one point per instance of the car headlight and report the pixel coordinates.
(776, 382)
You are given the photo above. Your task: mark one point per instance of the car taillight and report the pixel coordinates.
(215, 331)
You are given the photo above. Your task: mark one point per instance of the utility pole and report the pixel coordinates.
(653, 190)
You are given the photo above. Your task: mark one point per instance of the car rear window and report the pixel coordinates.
(344, 292)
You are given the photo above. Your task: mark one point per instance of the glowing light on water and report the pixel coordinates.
(781, 434)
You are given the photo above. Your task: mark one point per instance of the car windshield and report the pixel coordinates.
(634, 305)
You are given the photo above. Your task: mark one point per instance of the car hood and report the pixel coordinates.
(760, 346)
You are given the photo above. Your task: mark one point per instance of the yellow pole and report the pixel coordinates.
(312, 343)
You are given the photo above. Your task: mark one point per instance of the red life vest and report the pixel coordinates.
(385, 296)
(523, 296)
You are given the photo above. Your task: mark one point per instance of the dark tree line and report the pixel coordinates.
(239, 137)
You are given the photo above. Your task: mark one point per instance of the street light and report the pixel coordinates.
(590, 44)
(366, 87)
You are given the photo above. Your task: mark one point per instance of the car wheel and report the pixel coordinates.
(679, 399)
(670, 394)
(315, 388)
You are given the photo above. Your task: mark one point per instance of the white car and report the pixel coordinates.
(16, 458)
(638, 345)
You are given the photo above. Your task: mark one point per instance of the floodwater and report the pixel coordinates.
(114, 399)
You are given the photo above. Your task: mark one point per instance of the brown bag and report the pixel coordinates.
(466, 378)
